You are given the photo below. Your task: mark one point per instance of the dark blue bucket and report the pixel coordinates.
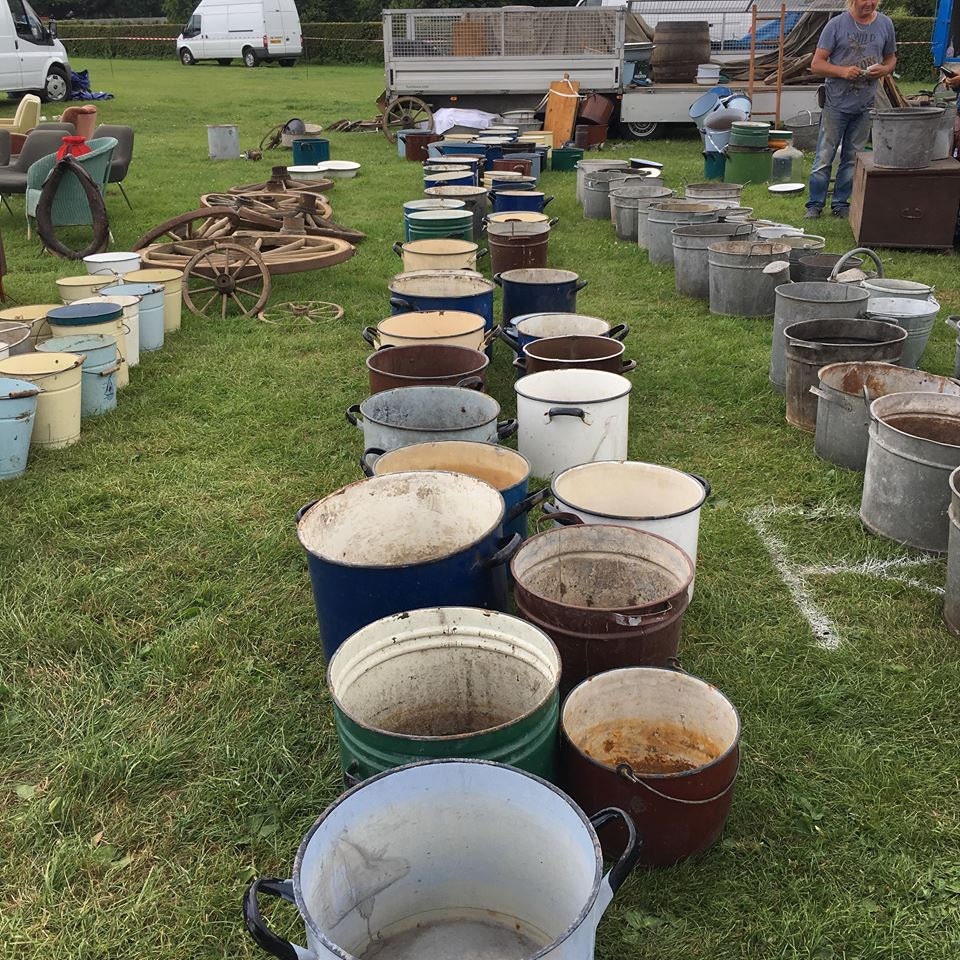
(538, 290)
(506, 200)
(310, 151)
(454, 147)
(451, 178)
(374, 549)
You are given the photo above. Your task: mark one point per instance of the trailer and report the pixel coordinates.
(501, 59)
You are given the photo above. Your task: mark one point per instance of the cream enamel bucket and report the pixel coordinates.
(58, 375)
(172, 282)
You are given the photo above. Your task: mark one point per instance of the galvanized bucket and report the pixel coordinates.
(802, 246)
(662, 743)
(808, 301)
(665, 216)
(446, 682)
(586, 167)
(953, 322)
(643, 214)
(845, 392)
(690, 244)
(728, 193)
(18, 409)
(904, 289)
(738, 284)
(915, 316)
(596, 191)
(812, 344)
(903, 137)
(914, 446)
(951, 593)
(448, 859)
(14, 338)
(625, 200)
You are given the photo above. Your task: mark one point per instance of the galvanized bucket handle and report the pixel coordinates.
(625, 771)
(866, 251)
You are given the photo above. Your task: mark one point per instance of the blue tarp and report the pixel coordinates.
(80, 87)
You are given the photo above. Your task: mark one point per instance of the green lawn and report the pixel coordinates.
(166, 728)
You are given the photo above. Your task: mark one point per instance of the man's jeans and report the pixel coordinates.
(850, 132)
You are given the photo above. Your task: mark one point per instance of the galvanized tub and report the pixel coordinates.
(951, 593)
(503, 468)
(596, 191)
(812, 344)
(430, 365)
(476, 199)
(808, 301)
(728, 193)
(738, 284)
(661, 744)
(586, 167)
(396, 418)
(903, 137)
(625, 200)
(446, 682)
(953, 322)
(802, 246)
(845, 392)
(915, 316)
(401, 542)
(690, 243)
(914, 446)
(448, 859)
(665, 216)
(608, 596)
(904, 289)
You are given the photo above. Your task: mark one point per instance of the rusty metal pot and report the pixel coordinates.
(607, 596)
(563, 353)
(662, 745)
(430, 365)
(517, 246)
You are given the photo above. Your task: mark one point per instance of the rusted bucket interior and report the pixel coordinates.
(440, 360)
(602, 567)
(659, 722)
(879, 379)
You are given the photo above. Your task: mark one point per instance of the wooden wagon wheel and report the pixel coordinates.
(405, 113)
(207, 223)
(310, 311)
(231, 271)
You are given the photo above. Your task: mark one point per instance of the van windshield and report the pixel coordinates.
(192, 28)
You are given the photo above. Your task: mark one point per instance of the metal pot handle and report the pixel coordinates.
(703, 481)
(953, 322)
(109, 370)
(482, 252)
(579, 285)
(262, 935)
(631, 851)
(511, 341)
(563, 517)
(371, 336)
(365, 465)
(628, 366)
(507, 428)
(491, 334)
(304, 509)
(520, 365)
(525, 505)
(618, 332)
(625, 772)
(471, 383)
(398, 248)
(498, 279)
(352, 414)
(578, 412)
(404, 305)
(866, 251)
(842, 404)
(547, 199)
(553, 221)
(642, 620)
(505, 553)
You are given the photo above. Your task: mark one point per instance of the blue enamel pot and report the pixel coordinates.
(538, 290)
(505, 201)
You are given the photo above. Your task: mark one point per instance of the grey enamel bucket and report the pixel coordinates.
(663, 217)
(809, 301)
(914, 446)
(625, 201)
(915, 316)
(739, 283)
(405, 415)
(951, 597)
(844, 394)
(690, 243)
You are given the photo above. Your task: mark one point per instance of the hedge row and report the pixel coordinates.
(323, 42)
(329, 42)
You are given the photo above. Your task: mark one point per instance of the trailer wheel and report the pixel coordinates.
(404, 113)
(642, 131)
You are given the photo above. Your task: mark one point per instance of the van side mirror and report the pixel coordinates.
(52, 30)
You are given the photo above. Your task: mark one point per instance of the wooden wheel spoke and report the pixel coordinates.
(206, 306)
(195, 290)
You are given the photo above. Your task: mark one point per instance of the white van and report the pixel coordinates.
(31, 57)
(258, 31)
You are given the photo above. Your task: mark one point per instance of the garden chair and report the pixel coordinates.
(17, 139)
(122, 156)
(83, 118)
(70, 207)
(13, 176)
(27, 115)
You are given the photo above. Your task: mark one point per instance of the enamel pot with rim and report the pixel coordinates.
(661, 744)
(501, 467)
(644, 496)
(462, 290)
(405, 415)
(534, 326)
(573, 351)
(433, 365)
(537, 290)
(438, 253)
(448, 858)
(401, 542)
(422, 327)
(569, 417)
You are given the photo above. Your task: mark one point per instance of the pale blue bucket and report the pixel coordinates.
(18, 407)
(151, 310)
(98, 382)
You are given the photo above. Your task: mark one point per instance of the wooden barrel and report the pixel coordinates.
(679, 47)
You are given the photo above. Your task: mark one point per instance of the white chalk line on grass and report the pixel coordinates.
(797, 576)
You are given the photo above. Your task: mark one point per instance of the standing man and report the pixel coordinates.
(855, 49)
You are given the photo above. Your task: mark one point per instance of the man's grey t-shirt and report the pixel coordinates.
(854, 44)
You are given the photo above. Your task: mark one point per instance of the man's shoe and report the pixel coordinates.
(842, 212)
(813, 213)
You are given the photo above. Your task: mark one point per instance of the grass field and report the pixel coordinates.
(167, 733)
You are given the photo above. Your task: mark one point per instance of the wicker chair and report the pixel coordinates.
(70, 207)
(13, 176)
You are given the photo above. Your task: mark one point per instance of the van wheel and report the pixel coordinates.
(186, 57)
(56, 88)
(224, 61)
(250, 58)
(287, 63)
